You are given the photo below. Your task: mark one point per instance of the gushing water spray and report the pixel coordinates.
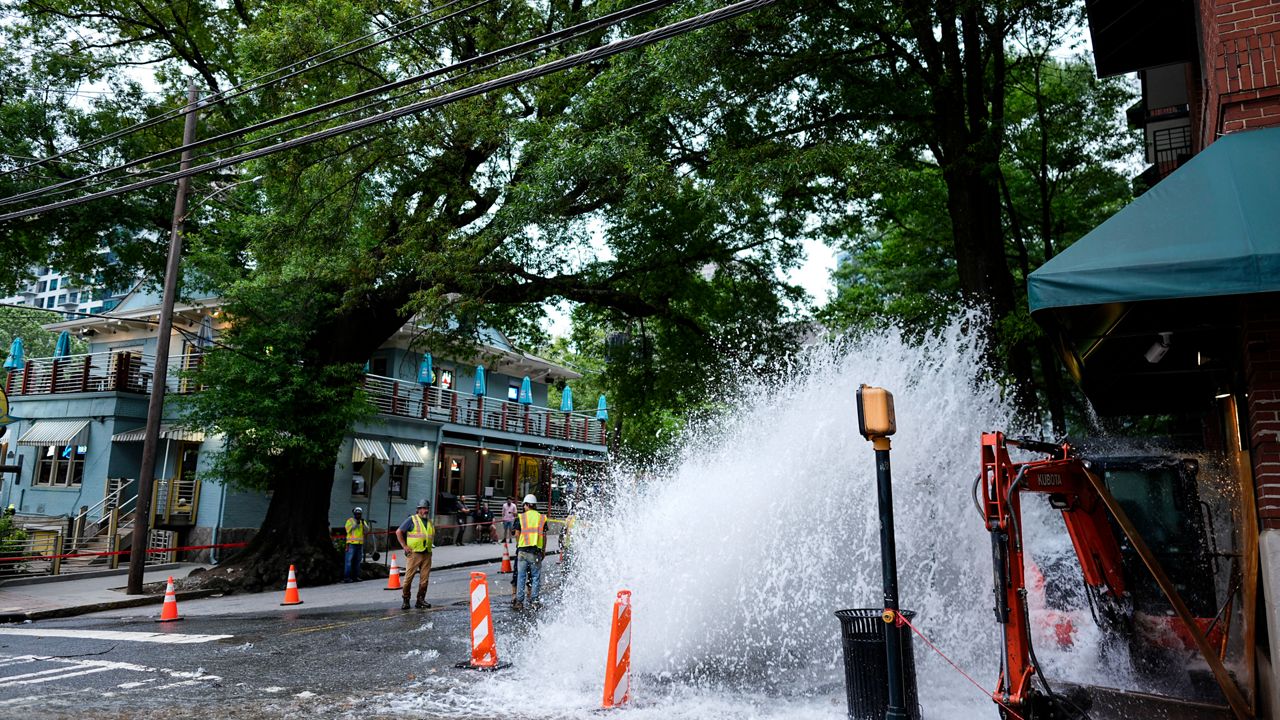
(737, 555)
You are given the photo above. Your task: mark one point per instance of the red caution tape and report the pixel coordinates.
(899, 620)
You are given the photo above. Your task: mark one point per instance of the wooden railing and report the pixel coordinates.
(98, 372)
(409, 399)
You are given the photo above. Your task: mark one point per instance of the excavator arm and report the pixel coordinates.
(1063, 478)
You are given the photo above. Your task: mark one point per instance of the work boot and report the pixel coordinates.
(517, 606)
(422, 604)
(404, 604)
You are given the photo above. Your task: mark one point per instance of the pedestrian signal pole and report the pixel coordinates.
(876, 423)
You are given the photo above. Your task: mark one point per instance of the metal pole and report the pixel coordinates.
(889, 569)
(155, 406)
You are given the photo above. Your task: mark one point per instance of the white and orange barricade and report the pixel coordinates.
(617, 671)
(484, 650)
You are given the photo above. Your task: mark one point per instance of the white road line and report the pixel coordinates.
(151, 637)
(7, 682)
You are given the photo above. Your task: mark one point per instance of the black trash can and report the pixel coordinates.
(866, 673)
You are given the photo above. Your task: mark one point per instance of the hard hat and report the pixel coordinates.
(424, 503)
(357, 511)
(530, 500)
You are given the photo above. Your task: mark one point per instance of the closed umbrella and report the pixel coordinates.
(480, 387)
(566, 399)
(526, 391)
(426, 373)
(204, 335)
(15, 361)
(602, 409)
(63, 347)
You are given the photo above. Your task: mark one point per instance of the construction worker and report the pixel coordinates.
(356, 528)
(417, 537)
(531, 545)
(566, 537)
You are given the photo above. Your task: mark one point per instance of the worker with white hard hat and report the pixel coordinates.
(356, 529)
(531, 545)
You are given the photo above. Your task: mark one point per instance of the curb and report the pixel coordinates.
(11, 618)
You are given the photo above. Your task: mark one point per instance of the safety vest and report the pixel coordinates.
(423, 535)
(533, 530)
(355, 531)
(567, 538)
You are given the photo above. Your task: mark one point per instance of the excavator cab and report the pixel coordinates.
(1161, 498)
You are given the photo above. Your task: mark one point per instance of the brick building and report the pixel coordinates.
(1172, 306)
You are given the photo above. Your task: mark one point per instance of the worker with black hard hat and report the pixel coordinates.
(356, 528)
(417, 536)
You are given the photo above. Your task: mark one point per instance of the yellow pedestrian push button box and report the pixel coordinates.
(875, 412)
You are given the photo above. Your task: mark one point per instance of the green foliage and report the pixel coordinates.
(28, 324)
(13, 541)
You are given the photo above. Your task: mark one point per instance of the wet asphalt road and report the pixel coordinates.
(281, 662)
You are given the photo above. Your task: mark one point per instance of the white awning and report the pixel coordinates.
(167, 432)
(366, 448)
(56, 432)
(407, 454)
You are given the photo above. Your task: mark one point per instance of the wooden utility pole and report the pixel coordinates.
(155, 405)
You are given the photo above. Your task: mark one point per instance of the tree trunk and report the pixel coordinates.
(295, 530)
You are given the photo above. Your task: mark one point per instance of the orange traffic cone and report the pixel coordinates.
(484, 651)
(617, 673)
(169, 611)
(506, 561)
(393, 580)
(291, 596)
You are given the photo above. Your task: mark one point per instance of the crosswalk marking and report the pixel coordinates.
(130, 636)
(71, 668)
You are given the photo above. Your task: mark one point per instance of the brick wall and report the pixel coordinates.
(1241, 49)
(1262, 377)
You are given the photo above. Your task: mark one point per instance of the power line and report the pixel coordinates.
(231, 94)
(522, 49)
(618, 46)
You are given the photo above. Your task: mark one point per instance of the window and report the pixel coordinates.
(358, 486)
(513, 393)
(62, 299)
(398, 481)
(53, 283)
(378, 366)
(60, 466)
(446, 379)
(42, 286)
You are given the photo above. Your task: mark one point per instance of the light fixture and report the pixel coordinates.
(1159, 348)
(1222, 395)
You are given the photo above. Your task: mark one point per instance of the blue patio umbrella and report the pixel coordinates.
(204, 334)
(526, 391)
(480, 388)
(15, 361)
(566, 399)
(426, 373)
(602, 409)
(63, 347)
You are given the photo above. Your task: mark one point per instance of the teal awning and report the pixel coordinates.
(1211, 228)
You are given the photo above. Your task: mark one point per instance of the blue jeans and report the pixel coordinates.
(351, 561)
(529, 561)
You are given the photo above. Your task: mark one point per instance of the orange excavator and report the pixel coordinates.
(1103, 502)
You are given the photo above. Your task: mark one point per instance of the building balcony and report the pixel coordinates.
(132, 372)
(120, 371)
(403, 398)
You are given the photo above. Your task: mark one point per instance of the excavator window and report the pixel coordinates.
(1161, 499)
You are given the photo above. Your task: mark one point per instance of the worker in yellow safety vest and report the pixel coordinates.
(356, 528)
(531, 545)
(417, 536)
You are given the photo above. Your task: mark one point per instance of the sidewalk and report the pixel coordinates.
(68, 595)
